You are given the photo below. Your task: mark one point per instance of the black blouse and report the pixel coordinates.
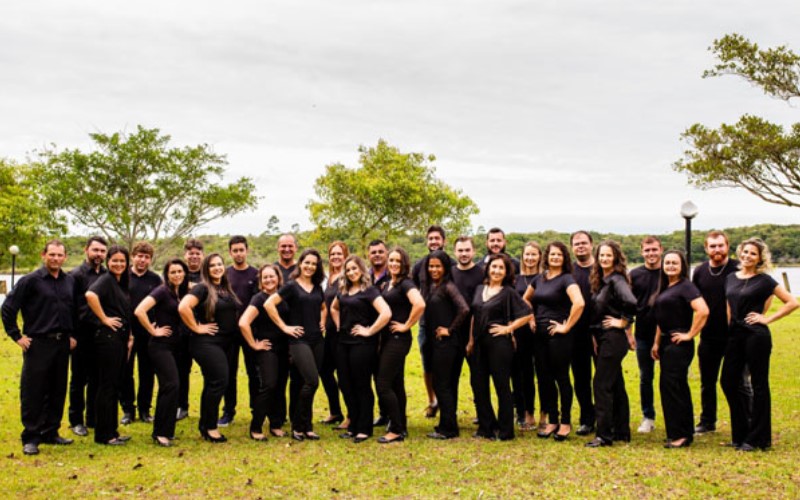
(445, 307)
(614, 298)
(305, 309)
(165, 313)
(502, 308)
(357, 309)
(226, 313)
(550, 299)
(748, 295)
(673, 307)
(397, 299)
(263, 327)
(115, 301)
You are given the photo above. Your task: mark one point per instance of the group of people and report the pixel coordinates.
(521, 325)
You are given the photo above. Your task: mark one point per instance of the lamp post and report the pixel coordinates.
(688, 212)
(14, 249)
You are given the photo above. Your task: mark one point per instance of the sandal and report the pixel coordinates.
(431, 410)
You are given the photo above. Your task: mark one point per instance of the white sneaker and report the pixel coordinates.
(647, 425)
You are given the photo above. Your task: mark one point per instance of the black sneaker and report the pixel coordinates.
(584, 430)
(30, 449)
(146, 418)
(704, 428)
(225, 421)
(182, 413)
(127, 418)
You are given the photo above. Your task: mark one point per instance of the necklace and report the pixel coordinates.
(721, 269)
(488, 292)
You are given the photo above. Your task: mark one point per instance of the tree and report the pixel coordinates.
(753, 154)
(25, 220)
(388, 195)
(135, 186)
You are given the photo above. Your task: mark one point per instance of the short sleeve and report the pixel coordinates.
(100, 287)
(200, 291)
(690, 292)
(372, 293)
(159, 293)
(288, 292)
(258, 301)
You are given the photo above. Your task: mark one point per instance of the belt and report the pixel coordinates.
(55, 335)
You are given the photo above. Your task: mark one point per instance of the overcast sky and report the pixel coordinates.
(549, 114)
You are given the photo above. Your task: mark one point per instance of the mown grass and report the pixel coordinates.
(418, 467)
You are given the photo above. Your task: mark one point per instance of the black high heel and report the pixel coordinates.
(562, 437)
(164, 444)
(254, 438)
(333, 420)
(544, 434)
(212, 439)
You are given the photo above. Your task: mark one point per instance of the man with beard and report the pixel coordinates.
(378, 253)
(287, 248)
(193, 255)
(583, 348)
(83, 383)
(496, 243)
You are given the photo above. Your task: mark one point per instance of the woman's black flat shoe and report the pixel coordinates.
(360, 439)
(544, 435)
(598, 442)
(165, 444)
(254, 438)
(212, 439)
(298, 436)
(336, 419)
(685, 444)
(312, 436)
(384, 440)
(277, 433)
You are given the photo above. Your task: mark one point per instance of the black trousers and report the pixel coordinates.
(211, 353)
(112, 353)
(611, 405)
(446, 360)
(327, 373)
(494, 357)
(355, 364)
(522, 371)
(582, 359)
(556, 357)
(751, 349)
(83, 380)
(267, 367)
(676, 397)
(43, 388)
(141, 355)
(184, 369)
(231, 392)
(306, 361)
(391, 382)
(164, 358)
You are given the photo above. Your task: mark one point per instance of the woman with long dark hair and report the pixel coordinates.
(270, 350)
(407, 306)
(613, 311)
(360, 313)
(522, 368)
(680, 314)
(749, 293)
(164, 345)
(445, 311)
(497, 311)
(209, 311)
(306, 325)
(109, 300)
(557, 303)
(337, 253)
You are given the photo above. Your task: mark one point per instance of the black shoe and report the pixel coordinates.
(254, 438)
(598, 442)
(380, 421)
(312, 436)
(671, 444)
(749, 447)
(702, 428)
(79, 430)
(624, 438)
(544, 435)
(127, 418)
(561, 437)
(225, 421)
(333, 420)
(59, 440)
(212, 439)
(584, 430)
(278, 433)
(30, 449)
(124, 439)
(146, 418)
(397, 439)
(360, 439)
(439, 435)
(116, 442)
(731, 444)
(182, 413)
(298, 436)
(163, 444)
(490, 437)
(346, 435)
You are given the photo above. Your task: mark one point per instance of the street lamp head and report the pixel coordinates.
(14, 249)
(689, 210)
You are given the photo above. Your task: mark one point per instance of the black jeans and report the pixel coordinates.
(231, 393)
(494, 357)
(710, 354)
(355, 364)
(748, 348)
(211, 353)
(582, 359)
(327, 373)
(164, 358)
(611, 405)
(267, 365)
(676, 397)
(306, 361)
(522, 371)
(184, 369)
(644, 359)
(391, 385)
(43, 388)
(112, 351)
(556, 381)
(140, 355)
(83, 380)
(446, 359)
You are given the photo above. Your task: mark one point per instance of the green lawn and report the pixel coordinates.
(418, 467)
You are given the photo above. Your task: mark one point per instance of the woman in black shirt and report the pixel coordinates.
(164, 345)
(445, 311)
(407, 306)
(306, 316)
(109, 300)
(522, 370)
(360, 313)
(680, 314)
(210, 311)
(497, 311)
(337, 253)
(269, 346)
(749, 293)
(557, 304)
(613, 311)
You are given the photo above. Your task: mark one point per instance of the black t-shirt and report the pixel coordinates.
(673, 307)
(331, 291)
(305, 309)
(581, 276)
(357, 309)
(263, 327)
(193, 277)
(286, 271)
(397, 299)
(502, 308)
(711, 283)
(522, 282)
(84, 276)
(140, 287)
(244, 284)
(748, 295)
(467, 281)
(225, 313)
(550, 300)
(644, 284)
(115, 301)
(615, 299)
(165, 313)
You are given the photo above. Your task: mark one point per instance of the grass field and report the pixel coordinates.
(419, 467)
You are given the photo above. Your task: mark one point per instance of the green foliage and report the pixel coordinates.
(388, 195)
(25, 220)
(135, 186)
(753, 154)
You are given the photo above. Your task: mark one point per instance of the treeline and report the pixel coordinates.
(784, 242)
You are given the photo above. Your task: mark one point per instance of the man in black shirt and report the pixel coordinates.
(287, 248)
(583, 348)
(377, 258)
(644, 284)
(496, 243)
(142, 282)
(46, 300)
(709, 277)
(193, 255)
(83, 383)
(244, 282)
